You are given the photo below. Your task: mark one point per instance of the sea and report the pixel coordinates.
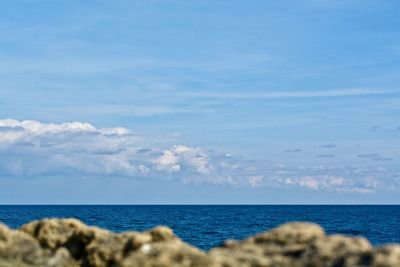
(206, 226)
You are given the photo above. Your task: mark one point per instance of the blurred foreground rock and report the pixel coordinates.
(70, 243)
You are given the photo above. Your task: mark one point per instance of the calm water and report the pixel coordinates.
(208, 226)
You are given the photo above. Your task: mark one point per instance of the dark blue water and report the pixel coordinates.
(208, 226)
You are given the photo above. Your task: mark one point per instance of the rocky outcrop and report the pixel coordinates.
(70, 243)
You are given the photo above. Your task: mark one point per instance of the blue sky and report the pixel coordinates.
(200, 101)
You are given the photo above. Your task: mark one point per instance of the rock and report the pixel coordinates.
(294, 233)
(162, 233)
(70, 243)
(20, 249)
(386, 256)
(169, 253)
(295, 244)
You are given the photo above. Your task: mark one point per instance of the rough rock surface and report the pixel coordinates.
(70, 243)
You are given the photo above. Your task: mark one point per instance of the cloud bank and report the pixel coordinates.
(30, 149)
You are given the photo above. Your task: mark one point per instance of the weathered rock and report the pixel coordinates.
(20, 249)
(296, 244)
(70, 243)
(165, 254)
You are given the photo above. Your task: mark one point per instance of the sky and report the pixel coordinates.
(199, 102)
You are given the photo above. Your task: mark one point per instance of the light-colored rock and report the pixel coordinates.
(169, 253)
(20, 249)
(70, 243)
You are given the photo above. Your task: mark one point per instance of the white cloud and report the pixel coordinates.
(177, 157)
(37, 128)
(256, 181)
(325, 182)
(30, 149)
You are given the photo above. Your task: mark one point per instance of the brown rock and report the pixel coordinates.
(20, 249)
(171, 253)
(70, 243)
(162, 233)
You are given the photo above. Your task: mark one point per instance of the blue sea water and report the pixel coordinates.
(207, 226)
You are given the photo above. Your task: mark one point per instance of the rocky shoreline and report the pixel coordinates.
(70, 243)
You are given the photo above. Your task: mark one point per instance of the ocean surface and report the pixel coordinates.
(207, 226)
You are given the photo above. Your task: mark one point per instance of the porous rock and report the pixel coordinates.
(18, 249)
(71, 243)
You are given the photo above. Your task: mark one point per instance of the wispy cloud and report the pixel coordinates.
(370, 155)
(293, 94)
(326, 156)
(292, 150)
(382, 159)
(329, 183)
(374, 157)
(327, 146)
